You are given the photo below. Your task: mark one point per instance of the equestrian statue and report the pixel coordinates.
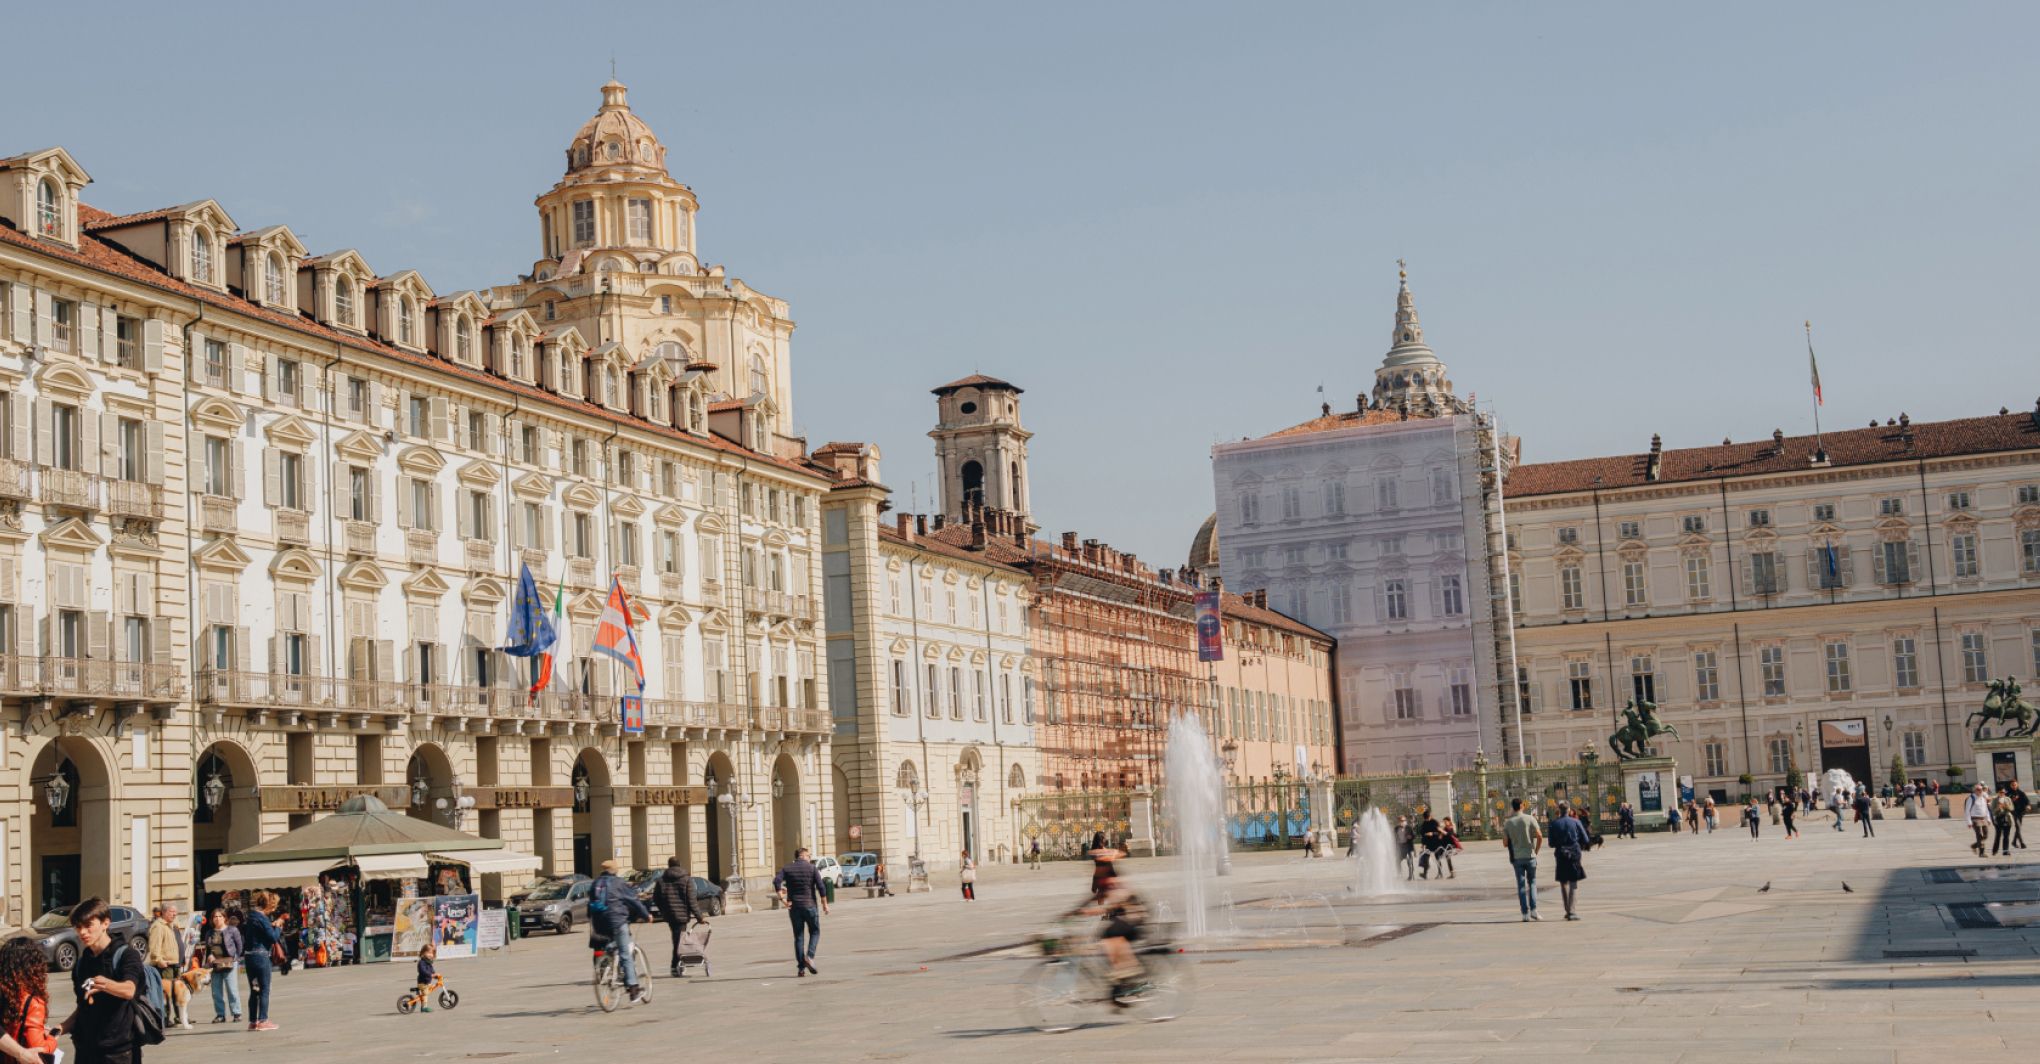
(1643, 724)
(2003, 703)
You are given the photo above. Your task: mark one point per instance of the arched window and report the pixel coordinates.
(404, 320)
(201, 255)
(343, 301)
(272, 279)
(757, 375)
(907, 779)
(463, 339)
(973, 484)
(49, 208)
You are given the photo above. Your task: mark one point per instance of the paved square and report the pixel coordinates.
(1679, 957)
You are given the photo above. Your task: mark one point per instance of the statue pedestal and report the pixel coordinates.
(1650, 785)
(1999, 761)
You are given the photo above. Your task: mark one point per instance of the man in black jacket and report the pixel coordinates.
(800, 889)
(673, 896)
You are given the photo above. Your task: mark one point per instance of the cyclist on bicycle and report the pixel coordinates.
(1124, 917)
(612, 904)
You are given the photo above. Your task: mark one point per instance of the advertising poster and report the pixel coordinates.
(1649, 797)
(494, 929)
(454, 920)
(414, 927)
(1210, 644)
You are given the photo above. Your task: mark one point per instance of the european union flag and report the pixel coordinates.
(531, 628)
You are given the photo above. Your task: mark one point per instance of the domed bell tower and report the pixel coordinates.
(980, 447)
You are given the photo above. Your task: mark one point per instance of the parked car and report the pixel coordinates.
(855, 869)
(706, 894)
(556, 906)
(831, 872)
(52, 931)
(517, 898)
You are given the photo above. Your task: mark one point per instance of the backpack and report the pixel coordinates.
(145, 1010)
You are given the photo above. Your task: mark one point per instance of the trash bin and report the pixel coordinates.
(829, 888)
(516, 923)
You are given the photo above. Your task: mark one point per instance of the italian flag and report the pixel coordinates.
(562, 646)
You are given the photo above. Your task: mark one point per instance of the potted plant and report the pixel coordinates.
(1898, 777)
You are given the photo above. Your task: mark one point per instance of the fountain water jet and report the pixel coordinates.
(1376, 873)
(1197, 803)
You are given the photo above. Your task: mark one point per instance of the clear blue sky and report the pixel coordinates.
(1169, 222)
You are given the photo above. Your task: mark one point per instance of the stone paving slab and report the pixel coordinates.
(1678, 958)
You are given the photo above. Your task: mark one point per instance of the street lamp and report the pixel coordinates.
(214, 791)
(58, 791)
(421, 789)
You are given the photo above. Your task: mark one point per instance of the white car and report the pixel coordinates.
(832, 873)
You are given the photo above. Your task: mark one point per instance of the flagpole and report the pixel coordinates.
(1819, 447)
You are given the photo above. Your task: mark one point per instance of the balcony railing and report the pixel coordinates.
(360, 537)
(581, 572)
(132, 498)
(68, 487)
(421, 548)
(14, 480)
(711, 593)
(294, 527)
(101, 678)
(773, 603)
(18, 675)
(672, 587)
(216, 515)
(480, 555)
(540, 561)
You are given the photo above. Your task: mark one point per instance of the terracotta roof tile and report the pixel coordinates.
(1350, 419)
(91, 219)
(94, 253)
(1850, 447)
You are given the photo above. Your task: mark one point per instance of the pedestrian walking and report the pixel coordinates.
(1863, 817)
(1693, 819)
(1524, 838)
(1672, 817)
(800, 890)
(1034, 854)
(1712, 820)
(1788, 811)
(966, 873)
(1837, 803)
(1625, 822)
(1751, 817)
(260, 950)
(1568, 843)
(165, 953)
(2001, 823)
(1771, 805)
(2020, 803)
(673, 896)
(1976, 810)
(1433, 841)
(221, 948)
(1448, 847)
(105, 980)
(1406, 847)
(25, 1002)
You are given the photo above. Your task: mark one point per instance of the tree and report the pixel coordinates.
(1897, 770)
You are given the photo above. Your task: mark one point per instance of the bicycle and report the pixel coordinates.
(1074, 978)
(609, 986)
(417, 996)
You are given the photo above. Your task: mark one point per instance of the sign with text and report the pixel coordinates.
(308, 798)
(521, 797)
(1844, 733)
(632, 796)
(1210, 627)
(493, 932)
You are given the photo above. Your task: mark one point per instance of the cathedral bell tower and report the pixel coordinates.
(980, 447)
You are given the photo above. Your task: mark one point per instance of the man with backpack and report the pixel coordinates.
(120, 1000)
(612, 903)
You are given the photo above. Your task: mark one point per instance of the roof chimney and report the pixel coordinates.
(906, 522)
(977, 535)
(1657, 458)
(921, 524)
(1069, 541)
(940, 520)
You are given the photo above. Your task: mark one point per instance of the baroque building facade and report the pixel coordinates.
(1371, 524)
(262, 513)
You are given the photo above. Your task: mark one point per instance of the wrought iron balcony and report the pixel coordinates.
(14, 480)
(216, 515)
(101, 678)
(132, 498)
(18, 675)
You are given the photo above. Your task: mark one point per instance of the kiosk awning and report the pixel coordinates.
(269, 874)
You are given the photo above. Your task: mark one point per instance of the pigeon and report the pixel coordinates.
(1766, 888)
(1847, 889)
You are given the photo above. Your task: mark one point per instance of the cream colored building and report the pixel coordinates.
(1274, 716)
(929, 678)
(262, 513)
(1701, 578)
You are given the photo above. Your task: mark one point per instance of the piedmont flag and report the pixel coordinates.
(563, 641)
(613, 635)
(1813, 364)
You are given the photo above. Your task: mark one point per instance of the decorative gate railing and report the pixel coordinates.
(1065, 823)
(1481, 797)
(1273, 814)
(1405, 795)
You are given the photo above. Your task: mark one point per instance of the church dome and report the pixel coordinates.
(615, 137)
(1204, 548)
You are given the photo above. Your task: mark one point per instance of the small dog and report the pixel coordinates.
(178, 993)
(1594, 841)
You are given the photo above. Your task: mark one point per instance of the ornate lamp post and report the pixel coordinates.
(57, 792)
(421, 790)
(214, 791)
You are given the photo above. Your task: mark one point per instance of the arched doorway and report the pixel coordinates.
(722, 815)
(786, 833)
(74, 851)
(968, 769)
(226, 814)
(430, 777)
(594, 819)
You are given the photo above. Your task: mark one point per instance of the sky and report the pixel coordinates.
(1170, 223)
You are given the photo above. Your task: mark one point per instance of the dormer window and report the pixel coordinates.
(520, 356)
(404, 320)
(49, 209)
(463, 340)
(201, 256)
(272, 279)
(614, 149)
(343, 301)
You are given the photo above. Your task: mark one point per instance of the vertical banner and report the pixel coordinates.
(633, 714)
(1210, 642)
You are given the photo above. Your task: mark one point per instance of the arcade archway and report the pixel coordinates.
(226, 812)
(786, 831)
(74, 851)
(722, 814)
(429, 775)
(594, 812)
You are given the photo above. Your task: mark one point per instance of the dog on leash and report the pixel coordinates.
(179, 993)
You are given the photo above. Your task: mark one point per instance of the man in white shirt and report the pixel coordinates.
(1976, 810)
